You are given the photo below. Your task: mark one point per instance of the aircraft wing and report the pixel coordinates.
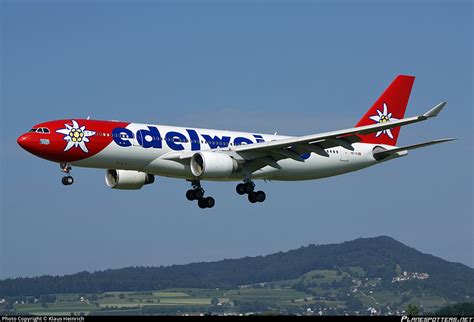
(269, 152)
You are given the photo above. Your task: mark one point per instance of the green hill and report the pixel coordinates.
(333, 269)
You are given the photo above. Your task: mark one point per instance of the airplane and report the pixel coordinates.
(133, 153)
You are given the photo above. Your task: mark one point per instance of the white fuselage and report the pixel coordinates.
(148, 153)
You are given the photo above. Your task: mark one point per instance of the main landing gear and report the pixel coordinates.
(67, 180)
(197, 193)
(248, 187)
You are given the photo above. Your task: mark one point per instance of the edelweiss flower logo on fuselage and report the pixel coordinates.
(76, 136)
(383, 118)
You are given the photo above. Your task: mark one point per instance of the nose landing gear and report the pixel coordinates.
(197, 193)
(248, 187)
(67, 180)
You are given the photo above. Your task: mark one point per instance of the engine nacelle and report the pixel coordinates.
(378, 149)
(127, 179)
(212, 165)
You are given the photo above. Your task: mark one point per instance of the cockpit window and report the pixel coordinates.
(40, 130)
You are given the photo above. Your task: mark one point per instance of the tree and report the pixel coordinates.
(458, 309)
(354, 304)
(412, 310)
(9, 307)
(45, 298)
(215, 301)
(398, 269)
(299, 287)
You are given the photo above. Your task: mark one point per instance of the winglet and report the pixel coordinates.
(435, 110)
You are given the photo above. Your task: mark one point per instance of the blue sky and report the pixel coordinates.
(293, 67)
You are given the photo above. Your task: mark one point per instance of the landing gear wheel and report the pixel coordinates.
(202, 203)
(198, 193)
(210, 202)
(67, 180)
(248, 187)
(260, 196)
(253, 197)
(190, 195)
(240, 189)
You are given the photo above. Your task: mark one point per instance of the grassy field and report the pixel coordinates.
(59, 308)
(265, 294)
(315, 288)
(133, 301)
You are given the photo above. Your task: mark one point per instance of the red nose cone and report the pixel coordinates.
(23, 141)
(27, 142)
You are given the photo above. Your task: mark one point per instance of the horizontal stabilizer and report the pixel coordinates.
(383, 154)
(435, 110)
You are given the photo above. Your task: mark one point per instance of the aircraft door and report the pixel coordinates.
(344, 155)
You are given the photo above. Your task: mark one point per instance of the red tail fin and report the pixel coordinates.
(390, 106)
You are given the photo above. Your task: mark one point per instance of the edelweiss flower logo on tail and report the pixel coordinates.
(383, 118)
(76, 136)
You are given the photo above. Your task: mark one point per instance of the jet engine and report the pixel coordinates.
(127, 179)
(377, 153)
(212, 165)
